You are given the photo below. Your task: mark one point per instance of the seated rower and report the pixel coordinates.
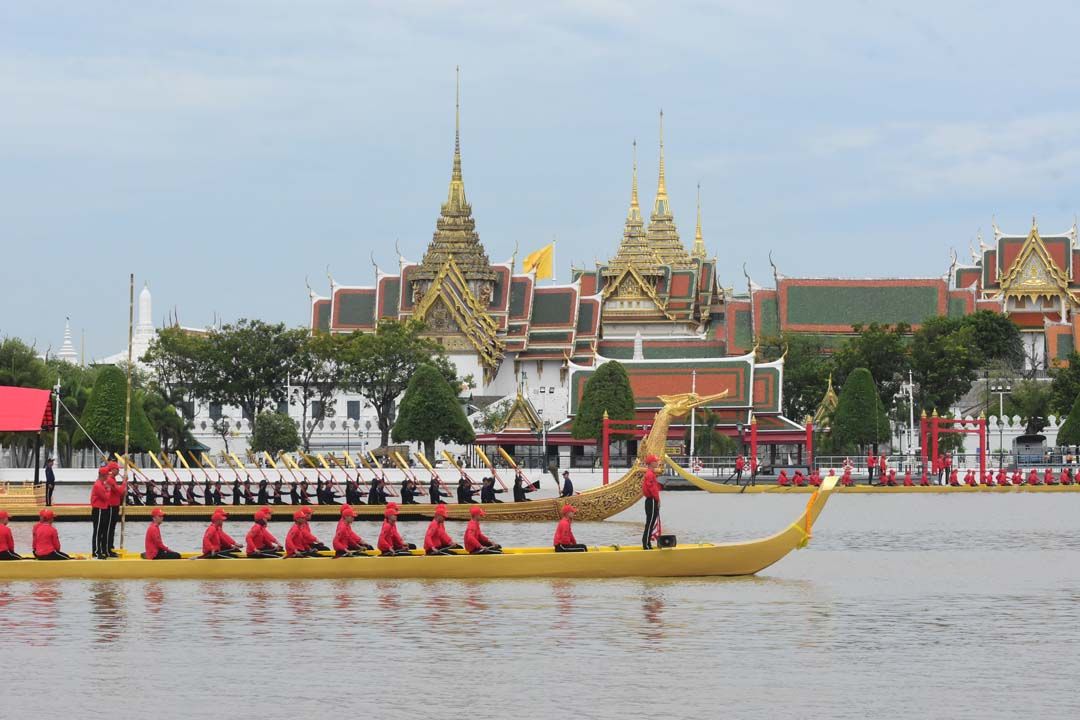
(1001, 478)
(177, 493)
(798, 480)
(969, 478)
(346, 542)
(192, 495)
(297, 542)
(465, 491)
(217, 544)
(156, 549)
(236, 492)
(846, 479)
(259, 542)
(294, 494)
(907, 478)
(7, 541)
(815, 478)
(263, 496)
(305, 493)
(954, 478)
(437, 541)
(564, 532)
(314, 541)
(488, 491)
(390, 540)
(1066, 476)
(1017, 478)
(476, 542)
(352, 491)
(377, 493)
(890, 479)
(522, 487)
(1048, 477)
(435, 491)
(46, 540)
(783, 480)
(408, 492)
(1033, 478)
(924, 481)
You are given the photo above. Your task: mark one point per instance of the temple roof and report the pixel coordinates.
(634, 251)
(455, 230)
(699, 240)
(662, 234)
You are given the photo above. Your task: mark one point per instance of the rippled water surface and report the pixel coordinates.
(903, 606)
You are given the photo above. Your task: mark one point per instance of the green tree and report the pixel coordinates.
(246, 365)
(995, 337)
(1030, 399)
(430, 411)
(274, 433)
(379, 366)
(1065, 385)
(314, 372)
(607, 390)
(881, 349)
(860, 418)
(806, 370)
(76, 383)
(105, 412)
(944, 362)
(1069, 432)
(171, 428)
(177, 358)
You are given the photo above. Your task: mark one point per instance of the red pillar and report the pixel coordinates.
(922, 443)
(810, 444)
(753, 438)
(934, 435)
(982, 447)
(606, 439)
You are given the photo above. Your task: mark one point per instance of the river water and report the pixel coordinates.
(903, 606)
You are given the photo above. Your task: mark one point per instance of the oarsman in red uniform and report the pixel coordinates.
(99, 514)
(753, 470)
(1048, 477)
(883, 465)
(924, 480)
(297, 543)
(650, 488)
(1017, 478)
(871, 465)
(798, 479)
(46, 540)
(564, 532)
(782, 480)
(1001, 478)
(437, 541)
(476, 542)
(740, 465)
(969, 478)
(947, 464)
(260, 543)
(117, 491)
(846, 479)
(1033, 478)
(7, 541)
(908, 482)
(1066, 477)
(312, 541)
(954, 478)
(156, 549)
(217, 544)
(815, 478)
(390, 540)
(346, 542)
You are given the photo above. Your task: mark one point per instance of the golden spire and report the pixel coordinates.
(456, 196)
(661, 185)
(662, 235)
(635, 209)
(699, 242)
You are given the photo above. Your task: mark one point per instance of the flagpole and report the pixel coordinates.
(127, 407)
(554, 241)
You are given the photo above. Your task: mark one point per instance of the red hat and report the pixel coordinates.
(440, 509)
(262, 514)
(347, 511)
(568, 509)
(477, 511)
(112, 467)
(299, 515)
(4, 515)
(265, 510)
(103, 470)
(157, 512)
(391, 509)
(650, 459)
(219, 513)
(307, 511)
(46, 514)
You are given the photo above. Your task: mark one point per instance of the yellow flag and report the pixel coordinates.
(542, 261)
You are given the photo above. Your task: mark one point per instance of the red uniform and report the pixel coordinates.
(882, 464)
(650, 487)
(46, 539)
(740, 463)
(1033, 478)
(154, 543)
(344, 537)
(564, 534)
(7, 541)
(296, 540)
(99, 495)
(258, 538)
(1001, 479)
(969, 478)
(475, 539)
(892, 477)
(815, 479)
(798, 480)
(1066, 477)
(783, 481)
(907, 479)
(390, 539)
(1048, 477)
(116, 493)
(215, 539)
(436, 536)
(845, 479)
(954, 478)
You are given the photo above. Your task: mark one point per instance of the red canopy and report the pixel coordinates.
(25, 409)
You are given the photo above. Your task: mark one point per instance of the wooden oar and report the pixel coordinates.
(206, 459)
(491, 466)
(514, 465)
(273, 464)
(382, 473)
(184, 462)
(430, 469)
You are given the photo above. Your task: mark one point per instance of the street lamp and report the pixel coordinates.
(1001, 390)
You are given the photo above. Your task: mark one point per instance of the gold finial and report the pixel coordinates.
(922, 414)
(605, 415)
(699, 241)
(633, 187)
(1034, 224)
(661, 188)
(457, 122)
(934, 413)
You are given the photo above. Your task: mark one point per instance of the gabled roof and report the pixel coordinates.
(25, 409)
(1034, 273)
(522, 416)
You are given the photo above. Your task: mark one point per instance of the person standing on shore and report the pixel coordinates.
(650, 488)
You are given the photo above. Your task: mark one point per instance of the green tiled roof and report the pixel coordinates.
(392, 291)
(743, 336)
(552, 308)
(839, 305)
(585, 317)
(957, 307)
(768, 316)
(322, 316)
(517, 298)
(356, 308)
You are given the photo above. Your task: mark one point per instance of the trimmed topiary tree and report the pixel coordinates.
(1069, 432)
(103, 417)
(430, 411)
(608, 389)
(859, 419)
(274, 433)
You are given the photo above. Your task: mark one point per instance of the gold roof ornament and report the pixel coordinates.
(522, 415)
(662, 234)
(699, 242)
(1034, 273)
(823, 414)
(634, 250)
(455, 230)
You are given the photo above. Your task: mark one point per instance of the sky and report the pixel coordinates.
(227, 153)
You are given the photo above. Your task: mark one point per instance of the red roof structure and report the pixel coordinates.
(25, 409)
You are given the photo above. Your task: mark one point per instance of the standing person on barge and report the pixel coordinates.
(650, 488)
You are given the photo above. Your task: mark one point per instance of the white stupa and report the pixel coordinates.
(143, 334)
(67, 351)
